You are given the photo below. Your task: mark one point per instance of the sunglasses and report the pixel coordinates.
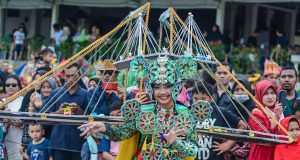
(11, 85)
(104, 72)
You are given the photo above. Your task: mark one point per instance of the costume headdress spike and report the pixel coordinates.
(162, 71)
(271, 67)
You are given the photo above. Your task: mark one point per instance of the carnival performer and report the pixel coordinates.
(163, 129)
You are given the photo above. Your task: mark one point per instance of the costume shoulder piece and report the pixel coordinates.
(184, 119)
(181, 109)
(146, 120)
(130, 109)
(201, 111)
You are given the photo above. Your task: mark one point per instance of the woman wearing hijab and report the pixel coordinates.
(289, 151)
(26, 100)
(47, 87)
(266, 94)
(36, 101)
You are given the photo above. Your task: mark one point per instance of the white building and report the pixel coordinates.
(241, 17)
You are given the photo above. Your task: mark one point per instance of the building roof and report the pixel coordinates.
(180, 4)
(183, 4)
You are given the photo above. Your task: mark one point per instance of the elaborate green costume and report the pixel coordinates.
(152, 121)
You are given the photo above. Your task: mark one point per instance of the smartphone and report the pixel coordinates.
(110, 86)
(66, 105)
(282, 98)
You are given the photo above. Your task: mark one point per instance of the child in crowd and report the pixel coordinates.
(102, 149)
(115, 110)
(38, 148)
(94, 148)
(289, 151)
(47, 55)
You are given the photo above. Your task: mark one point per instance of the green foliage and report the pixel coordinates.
(241, 62)
(36, 42)
(282, 56)
(5, 43)
(218, 50)
(82, 45)
(66, 48)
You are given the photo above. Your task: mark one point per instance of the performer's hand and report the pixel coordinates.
(221, 148)
(174, 134)
(143, 97)
(92, 128)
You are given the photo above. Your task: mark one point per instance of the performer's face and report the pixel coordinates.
(162, 94)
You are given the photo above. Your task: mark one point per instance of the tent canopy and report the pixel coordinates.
(136, 3)
(180, 4)
(184, 4)
(26, 4)
(264, 1)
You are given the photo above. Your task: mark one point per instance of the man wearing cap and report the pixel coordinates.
(99, 101)
(107, 71)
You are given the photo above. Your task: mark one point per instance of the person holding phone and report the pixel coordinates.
(288, 79)
(65, 138)
(266, 95)
(108, 84)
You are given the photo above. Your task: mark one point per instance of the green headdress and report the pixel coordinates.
(163, 70)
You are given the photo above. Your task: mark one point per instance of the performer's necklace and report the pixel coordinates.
(165, 116)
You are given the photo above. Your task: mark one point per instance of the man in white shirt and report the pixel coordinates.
(19, 38)
(58, 34)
